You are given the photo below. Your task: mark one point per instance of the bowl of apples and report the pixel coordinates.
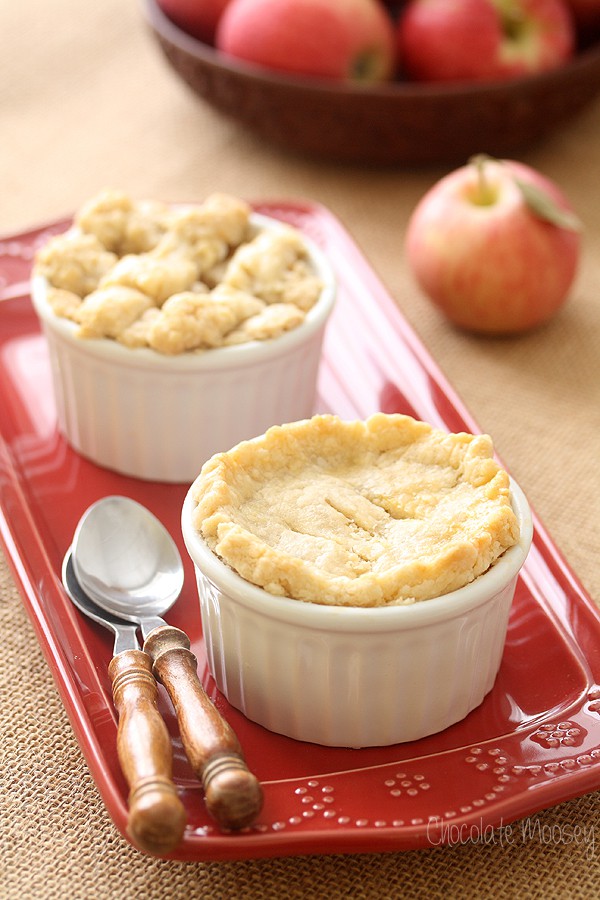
(373, 82)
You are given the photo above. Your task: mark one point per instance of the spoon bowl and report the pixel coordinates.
(126, 560)
(124, 632)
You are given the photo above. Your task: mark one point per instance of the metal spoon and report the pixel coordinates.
(157, 817)
(129, 564)
(127, 561)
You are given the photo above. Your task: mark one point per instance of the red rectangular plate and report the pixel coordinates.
(535, 740)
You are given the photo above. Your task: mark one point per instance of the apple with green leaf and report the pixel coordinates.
(495, 245)
(339, 39)
(483, 40)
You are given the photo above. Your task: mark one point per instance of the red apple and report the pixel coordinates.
(483, 40)
(495, 245)
(586, 14)
(196, 17)
(341, 39)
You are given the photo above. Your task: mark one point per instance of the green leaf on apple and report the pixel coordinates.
(544, 207)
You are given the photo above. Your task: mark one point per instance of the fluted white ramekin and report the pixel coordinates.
(348, 676)
(158, 417)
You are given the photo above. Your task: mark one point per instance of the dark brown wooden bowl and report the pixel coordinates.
(395, 123)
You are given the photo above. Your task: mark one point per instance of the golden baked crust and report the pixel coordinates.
(146, 275)
(385, 511)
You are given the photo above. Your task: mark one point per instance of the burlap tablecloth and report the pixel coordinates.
(86, 101)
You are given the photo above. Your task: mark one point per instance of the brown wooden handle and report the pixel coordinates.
(233, 795)
(157, 817)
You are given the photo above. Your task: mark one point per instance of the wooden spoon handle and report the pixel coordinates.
(157, 817)
(233, 795)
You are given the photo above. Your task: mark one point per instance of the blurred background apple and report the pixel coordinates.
(587, 17)
(341, 39)
(197, 17)
(469, 40)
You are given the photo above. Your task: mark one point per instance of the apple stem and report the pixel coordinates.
(485, 195)
(537, 200)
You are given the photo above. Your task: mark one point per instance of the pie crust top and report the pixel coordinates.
(364, 513)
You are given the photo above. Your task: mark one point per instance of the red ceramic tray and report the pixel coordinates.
(535, 740)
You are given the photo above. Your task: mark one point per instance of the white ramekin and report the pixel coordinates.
(355, 677)
(159, 417)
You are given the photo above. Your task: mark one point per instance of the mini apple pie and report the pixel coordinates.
(386, 511)
(177, 279)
